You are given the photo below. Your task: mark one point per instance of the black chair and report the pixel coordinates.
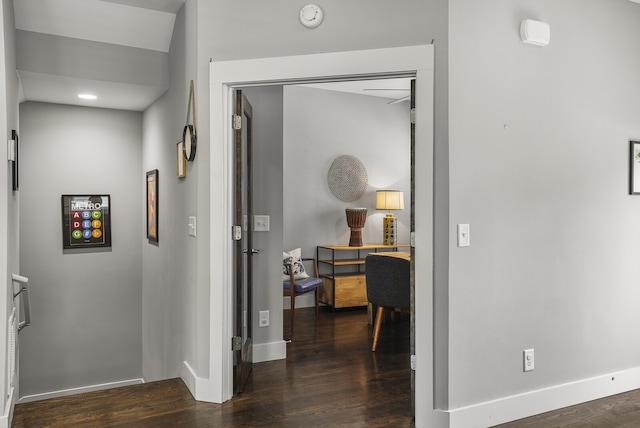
(388, 286)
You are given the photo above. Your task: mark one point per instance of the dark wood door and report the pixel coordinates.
(243, 254)
(412, 345)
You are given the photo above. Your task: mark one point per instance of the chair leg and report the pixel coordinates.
(317, 291)
(376, 327)
(293, 308)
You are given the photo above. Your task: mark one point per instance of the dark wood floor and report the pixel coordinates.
(330, 378)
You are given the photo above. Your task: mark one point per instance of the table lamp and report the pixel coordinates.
(389, 200)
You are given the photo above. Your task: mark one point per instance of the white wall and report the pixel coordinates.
(85, 304)
(321, 125)
(539, 143)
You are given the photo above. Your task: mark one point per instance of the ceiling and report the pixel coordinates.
(107, 24)
(114, 26)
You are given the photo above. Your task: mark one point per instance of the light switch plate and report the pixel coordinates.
(464, 239)
(260, 223)
(192, 226)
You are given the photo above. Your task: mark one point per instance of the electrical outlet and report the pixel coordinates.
(528, 360)
(264, 319)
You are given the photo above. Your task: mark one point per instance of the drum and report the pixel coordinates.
(356, 217)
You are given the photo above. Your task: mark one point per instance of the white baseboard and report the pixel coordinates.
(270, 351)
(543, 400)
(80, 390)
(5, 420)
(198, 386)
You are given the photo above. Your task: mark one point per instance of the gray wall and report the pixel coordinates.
(86, 318)
(321, 125)
(170, 319)
(539, 143)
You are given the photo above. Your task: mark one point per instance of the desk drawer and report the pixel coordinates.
(344, 291)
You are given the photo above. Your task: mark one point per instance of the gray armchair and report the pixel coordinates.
(388, 286)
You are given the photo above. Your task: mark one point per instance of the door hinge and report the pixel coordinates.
(236, 233)
(413, 116)
(236, 343)
(237, 122)
(413, 362)
(412, 239)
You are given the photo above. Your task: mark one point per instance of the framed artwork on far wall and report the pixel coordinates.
(152, 205)
(634, 168)
(86, 221)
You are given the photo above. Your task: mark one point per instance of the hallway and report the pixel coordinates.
(330, 378)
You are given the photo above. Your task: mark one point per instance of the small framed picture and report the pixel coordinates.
(15, 161)
(152, 205)
(181, 161)
(634, 168)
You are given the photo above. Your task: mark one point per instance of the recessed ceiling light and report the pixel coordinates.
(87, 96)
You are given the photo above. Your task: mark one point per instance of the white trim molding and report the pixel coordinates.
(269, 351)
(199, 387)
(544, 400)
(80, 390)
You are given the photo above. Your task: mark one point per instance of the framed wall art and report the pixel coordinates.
(86, 221)
(152, 205)
(634, 168)
(181, 161)
(14, 161)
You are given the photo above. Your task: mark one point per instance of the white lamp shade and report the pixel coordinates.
(389, 200)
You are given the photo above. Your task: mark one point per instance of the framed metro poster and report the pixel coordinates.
(86, 221)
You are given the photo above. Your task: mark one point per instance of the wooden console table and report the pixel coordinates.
(341, 268)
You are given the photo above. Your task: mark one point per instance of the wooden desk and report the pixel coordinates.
(400, 254)
(342, 271)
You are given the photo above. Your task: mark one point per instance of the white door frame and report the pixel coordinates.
(224, 76)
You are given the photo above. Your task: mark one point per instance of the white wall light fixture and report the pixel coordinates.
(535, 33)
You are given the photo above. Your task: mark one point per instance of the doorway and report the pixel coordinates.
(361, 64)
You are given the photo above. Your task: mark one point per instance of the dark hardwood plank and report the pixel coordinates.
(330, 378)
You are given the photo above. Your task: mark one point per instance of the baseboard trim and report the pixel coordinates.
(270, 351)
(544, 400)
(7, 418)
(80, 390)
(198, 386)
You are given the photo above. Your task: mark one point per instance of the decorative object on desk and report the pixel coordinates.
(189, 135)
(152, 205)
(347, 178)
(634, 168)
(356, 218)
(293, 258)
(389, 200)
